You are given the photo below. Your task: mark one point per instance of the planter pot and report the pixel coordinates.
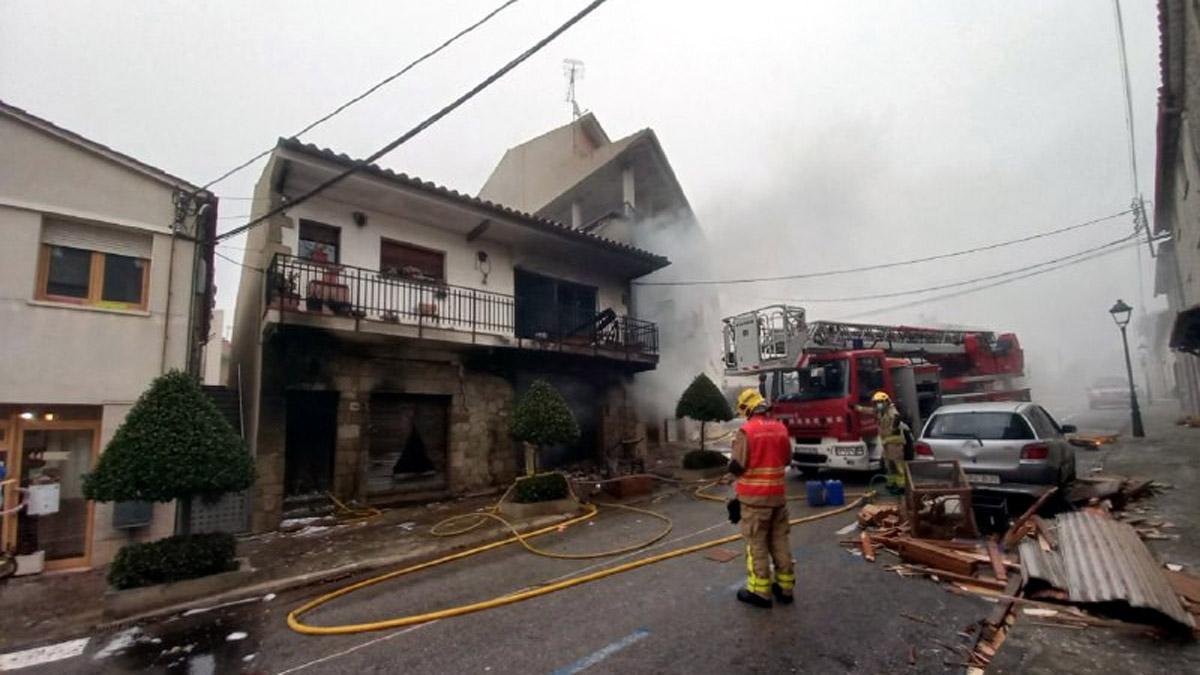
(427, 309)
(697, 475)
(33, 563)
(517, 511)
(630, 486)
(135, 601)
(289, 302)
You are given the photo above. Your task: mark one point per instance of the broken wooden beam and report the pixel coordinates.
(868, 548)
(936, 557)
(997, 561)
(1015, 533)
(990, 584)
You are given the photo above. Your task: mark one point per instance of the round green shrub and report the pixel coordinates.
(173, 559)
(544, 487)
(173, 444)
(542, 417)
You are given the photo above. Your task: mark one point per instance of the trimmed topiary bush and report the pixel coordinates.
(172, 559)
(704, 459)
(703, 402)
(544, 487)
(542, 418)
(173, 444)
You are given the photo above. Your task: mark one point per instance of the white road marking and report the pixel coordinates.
(44, 654)
(353, 649)
(603, 653)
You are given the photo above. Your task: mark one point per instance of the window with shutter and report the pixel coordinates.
(86, 264)
(414, 262)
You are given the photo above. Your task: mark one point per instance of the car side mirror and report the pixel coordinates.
(1069, 428)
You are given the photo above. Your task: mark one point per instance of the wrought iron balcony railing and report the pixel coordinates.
(300, 285)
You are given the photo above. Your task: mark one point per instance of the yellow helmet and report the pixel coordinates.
(881, 397)
(748, 401)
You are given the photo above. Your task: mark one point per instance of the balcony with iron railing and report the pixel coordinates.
(331, 296)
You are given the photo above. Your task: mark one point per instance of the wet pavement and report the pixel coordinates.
(674, 616)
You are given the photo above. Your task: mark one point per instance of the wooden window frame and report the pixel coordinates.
(384, 241)
(95, 296)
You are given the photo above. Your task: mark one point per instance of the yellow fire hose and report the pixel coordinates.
(297, 625)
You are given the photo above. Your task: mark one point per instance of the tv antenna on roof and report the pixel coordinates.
(573, 70)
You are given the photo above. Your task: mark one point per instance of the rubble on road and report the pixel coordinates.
(1063, 571)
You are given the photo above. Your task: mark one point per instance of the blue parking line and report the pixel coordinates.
(602, 653)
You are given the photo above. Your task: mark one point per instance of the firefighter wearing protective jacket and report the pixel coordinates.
(891, 435)
(762, 451)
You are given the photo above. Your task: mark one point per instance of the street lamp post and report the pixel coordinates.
(1120, 314)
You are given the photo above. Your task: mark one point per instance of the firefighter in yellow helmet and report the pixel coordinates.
(891, 435)
(762, 451)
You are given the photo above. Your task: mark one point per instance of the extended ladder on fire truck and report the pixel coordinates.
(978, 363)
(897, 340)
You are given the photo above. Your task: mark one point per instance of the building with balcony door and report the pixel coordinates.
(384, 328)
(627, 191)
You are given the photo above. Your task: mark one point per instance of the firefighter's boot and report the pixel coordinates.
(753, 599)
(782, 596)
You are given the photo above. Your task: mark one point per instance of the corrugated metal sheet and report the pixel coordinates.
(1043, 566)
(1105, 561)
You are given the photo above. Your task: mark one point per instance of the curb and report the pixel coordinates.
(279, 585)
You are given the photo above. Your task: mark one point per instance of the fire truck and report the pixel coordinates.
(820, 377)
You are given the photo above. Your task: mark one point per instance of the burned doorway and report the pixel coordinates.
(311, 438)
(409, 442)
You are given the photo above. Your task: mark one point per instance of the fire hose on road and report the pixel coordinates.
(294, 617)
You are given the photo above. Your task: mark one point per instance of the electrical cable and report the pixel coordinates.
(967, 282)
(362, 164)
(370, 90)
(946, 296)
(888, 265)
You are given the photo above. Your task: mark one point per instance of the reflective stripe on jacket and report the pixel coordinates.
(768, 453)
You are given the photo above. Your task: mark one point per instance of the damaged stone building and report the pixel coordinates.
(384, 329)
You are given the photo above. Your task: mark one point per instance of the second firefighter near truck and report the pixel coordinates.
(762, 451)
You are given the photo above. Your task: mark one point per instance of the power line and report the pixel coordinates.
(235, 262)
(429, 121)
(371, 90)
(887, 265)
(1131, 242)
(1128, 98)
(975, 280)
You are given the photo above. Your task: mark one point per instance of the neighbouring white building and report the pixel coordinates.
(101, 289)
(384, 327)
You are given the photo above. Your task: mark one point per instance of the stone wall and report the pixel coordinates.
(480, 451)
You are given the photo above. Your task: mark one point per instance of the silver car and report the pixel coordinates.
(1011, 446)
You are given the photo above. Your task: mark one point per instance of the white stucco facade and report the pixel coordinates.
(97, 356)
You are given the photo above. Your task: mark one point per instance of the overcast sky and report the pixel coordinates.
(807, 135)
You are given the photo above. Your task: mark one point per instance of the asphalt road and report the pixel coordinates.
(675, 616)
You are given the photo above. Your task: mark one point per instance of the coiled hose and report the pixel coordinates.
(294, 617)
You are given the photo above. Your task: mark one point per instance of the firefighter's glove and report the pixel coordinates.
(735, 510)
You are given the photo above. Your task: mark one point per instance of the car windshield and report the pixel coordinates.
(817, 380)
(983, 426)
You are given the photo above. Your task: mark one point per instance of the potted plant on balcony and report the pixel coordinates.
(282, 290)
(328, 290)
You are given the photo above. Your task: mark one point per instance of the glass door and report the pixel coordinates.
(57, 454)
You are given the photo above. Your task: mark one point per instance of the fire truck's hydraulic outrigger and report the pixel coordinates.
(820, 377)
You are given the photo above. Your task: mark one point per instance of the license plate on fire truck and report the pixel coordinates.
(984, 478)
